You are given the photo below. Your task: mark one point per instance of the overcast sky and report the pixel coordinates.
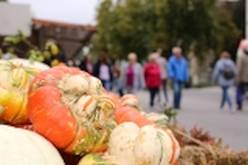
(74, 11)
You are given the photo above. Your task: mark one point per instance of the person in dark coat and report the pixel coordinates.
(102, 70)
(87, 65)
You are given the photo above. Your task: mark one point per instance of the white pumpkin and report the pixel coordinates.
(172, 146)
(148, 149)
(148, 145)
(160, 119)
(28, 63)
(130, 100)
(155, 117)
(75, 83)
(87, 104)
(23, 147)
(121, 144)
(95, 86)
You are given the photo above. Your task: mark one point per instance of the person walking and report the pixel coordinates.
(162, 62)
(102, 70)
(116, 71)
(132, 76)
(224, 74)
(242, 76)
(87, 65)
(152, 76)
(178, 73)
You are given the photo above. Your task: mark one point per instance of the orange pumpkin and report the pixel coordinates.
(114, 97)
(130, 114)
(71, 109)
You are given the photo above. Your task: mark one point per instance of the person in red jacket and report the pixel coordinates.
(152, 77)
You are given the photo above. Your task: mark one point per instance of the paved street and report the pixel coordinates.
(201, 108)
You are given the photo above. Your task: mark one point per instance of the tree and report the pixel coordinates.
(238, 13)
(122, 28)
(227, 34)
(143, 26)
(190, 24)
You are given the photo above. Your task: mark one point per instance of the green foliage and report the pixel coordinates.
(170, 113)
(190, 24)
(143, 26)
(15, 39)
(125, 27)
(15, 45)
(226, 32)
(36, 55)
(238, 14)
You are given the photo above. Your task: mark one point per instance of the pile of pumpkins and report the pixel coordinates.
(69, 110)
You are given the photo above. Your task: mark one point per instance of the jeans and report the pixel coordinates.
(117, 86)
(164, 90)
(177, 89)
(153, 93)
(106, 84)
(240, 94)
(225, 97)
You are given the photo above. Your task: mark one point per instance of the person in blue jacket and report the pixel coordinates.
(178, 73)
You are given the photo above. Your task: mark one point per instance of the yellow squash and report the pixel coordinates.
(15, 81)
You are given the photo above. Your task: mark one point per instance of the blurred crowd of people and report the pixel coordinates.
(131, 76)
